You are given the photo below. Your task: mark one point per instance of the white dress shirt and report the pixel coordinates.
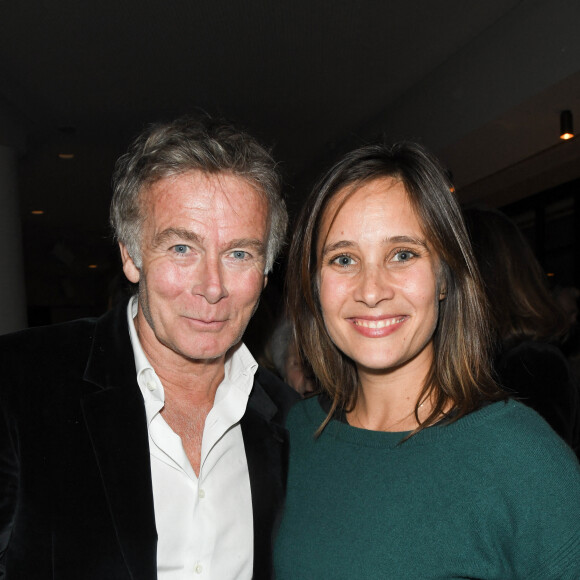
(204, 523)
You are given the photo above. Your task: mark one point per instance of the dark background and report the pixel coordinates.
(480, 83)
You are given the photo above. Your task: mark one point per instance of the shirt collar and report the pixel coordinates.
(141, 362)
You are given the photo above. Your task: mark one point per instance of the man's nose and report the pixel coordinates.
(211, 283)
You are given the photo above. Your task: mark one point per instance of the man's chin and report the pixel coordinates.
(210, 355)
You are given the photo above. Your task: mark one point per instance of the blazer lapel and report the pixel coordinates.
(116, 421)
(266, 445)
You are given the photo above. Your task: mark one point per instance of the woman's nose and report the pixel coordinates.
(374, 285)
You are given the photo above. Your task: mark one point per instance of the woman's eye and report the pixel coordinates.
(343, 261)
(403, 256)
(180, 249)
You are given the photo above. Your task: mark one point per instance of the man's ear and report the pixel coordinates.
(131, 271)
(265, 281)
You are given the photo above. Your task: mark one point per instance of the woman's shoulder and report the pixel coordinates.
(508, 419)
(517, 420)
(514, 435)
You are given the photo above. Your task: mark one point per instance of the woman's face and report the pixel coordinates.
(378, 279)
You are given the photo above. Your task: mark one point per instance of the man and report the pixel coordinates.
(147, 443)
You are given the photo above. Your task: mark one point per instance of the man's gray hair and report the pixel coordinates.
(193, 144)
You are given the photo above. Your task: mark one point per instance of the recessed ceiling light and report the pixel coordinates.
(93, 266)
(566, 125)
(66, 155)
(37, 212)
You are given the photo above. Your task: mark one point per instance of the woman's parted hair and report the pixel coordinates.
(193, 143)
(460, 377)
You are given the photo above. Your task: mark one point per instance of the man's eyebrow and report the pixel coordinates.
(254, 243)
(185, 235)
(171, 234)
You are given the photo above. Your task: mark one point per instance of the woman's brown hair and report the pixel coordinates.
(460, 378)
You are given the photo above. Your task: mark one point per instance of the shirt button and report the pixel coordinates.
(201, 493)
(151, 385)
(199, 569)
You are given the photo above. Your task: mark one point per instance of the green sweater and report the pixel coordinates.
(494, 495)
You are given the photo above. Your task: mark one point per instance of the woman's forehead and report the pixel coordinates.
(384, 193)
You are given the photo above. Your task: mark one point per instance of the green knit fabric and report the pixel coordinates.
(494, 495)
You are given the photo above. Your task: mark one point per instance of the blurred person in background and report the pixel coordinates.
(529, 325)
(287, 362)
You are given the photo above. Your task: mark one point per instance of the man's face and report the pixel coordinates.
(203, 255)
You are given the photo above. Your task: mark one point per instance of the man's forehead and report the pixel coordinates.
(224, 184)
(197, 206)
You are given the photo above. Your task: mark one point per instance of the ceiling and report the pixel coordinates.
(480, 83)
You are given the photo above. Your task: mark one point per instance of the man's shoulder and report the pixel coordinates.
(64, 349)
(51, 364)
(43, 341)
(65, 336)
(39, 364)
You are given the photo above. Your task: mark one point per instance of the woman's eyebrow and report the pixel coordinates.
(346, 244)
(340, 245)
(407, 240)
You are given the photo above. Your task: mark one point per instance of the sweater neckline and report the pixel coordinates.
(389, 439)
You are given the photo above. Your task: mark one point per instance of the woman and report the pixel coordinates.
(527, 323)
(411, 464)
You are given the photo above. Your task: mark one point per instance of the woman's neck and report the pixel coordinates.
(387, 400)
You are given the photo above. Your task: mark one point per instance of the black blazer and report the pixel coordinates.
(76, 498)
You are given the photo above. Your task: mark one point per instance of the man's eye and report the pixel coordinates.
(180, 249)
(240, 254)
